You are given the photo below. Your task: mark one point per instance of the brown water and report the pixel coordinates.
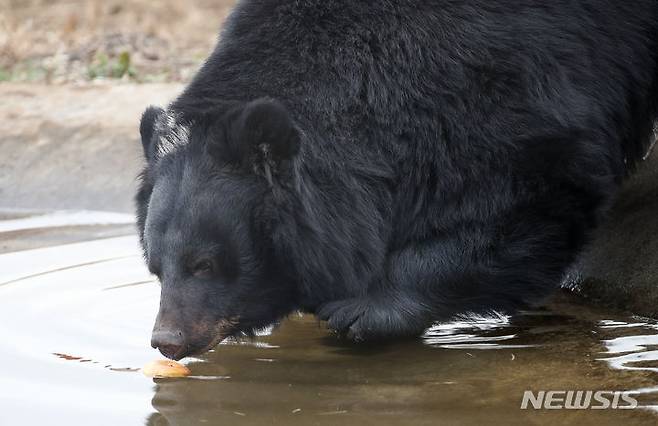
(75, 320)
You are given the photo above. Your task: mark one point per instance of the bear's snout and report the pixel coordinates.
(169, 336)
(176, 338)
(170, 343)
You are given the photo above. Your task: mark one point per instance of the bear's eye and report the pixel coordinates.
(203, 268)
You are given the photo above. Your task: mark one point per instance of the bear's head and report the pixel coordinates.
(205, 208)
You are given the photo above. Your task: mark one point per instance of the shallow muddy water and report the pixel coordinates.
(75, 321)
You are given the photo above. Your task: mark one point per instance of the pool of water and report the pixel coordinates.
(77, 306)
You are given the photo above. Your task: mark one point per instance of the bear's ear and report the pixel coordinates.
(262, 137)
(147, 129)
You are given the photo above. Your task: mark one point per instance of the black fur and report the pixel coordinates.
(389, 164)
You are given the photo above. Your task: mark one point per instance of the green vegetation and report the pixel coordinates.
(105, 67)
(5, 74)
(28, 71)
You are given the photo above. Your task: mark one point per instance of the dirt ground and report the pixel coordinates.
(75, 76)
(73, 146)
(62, 41)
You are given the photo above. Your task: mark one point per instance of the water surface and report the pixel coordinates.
(75, 321)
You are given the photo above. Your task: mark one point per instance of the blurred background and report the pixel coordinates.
(74, 41)
(74, 78)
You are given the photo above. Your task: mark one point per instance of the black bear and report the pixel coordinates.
(388, 164)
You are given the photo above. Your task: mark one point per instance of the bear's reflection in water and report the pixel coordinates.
(470, 372)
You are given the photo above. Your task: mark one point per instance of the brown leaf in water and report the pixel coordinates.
(67, 357)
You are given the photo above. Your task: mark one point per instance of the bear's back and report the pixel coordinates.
(402, 77)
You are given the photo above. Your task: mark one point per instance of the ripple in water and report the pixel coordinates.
(473, 332)
(76, 320)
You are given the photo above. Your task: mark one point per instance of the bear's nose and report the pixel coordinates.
(170, 343)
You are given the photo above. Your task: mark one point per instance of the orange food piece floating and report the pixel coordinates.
(165, 368)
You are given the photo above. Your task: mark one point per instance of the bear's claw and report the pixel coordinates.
(342, 315)
(360, 319)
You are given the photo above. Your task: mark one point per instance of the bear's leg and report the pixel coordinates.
(381, 315)
(404, 302)
(425, 287)
(500, 267)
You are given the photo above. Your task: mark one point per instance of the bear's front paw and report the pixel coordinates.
(362, 319)
(341, 315)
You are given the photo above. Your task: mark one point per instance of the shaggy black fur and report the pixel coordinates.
(387, 164)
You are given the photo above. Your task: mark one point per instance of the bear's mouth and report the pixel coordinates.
(221, 330)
